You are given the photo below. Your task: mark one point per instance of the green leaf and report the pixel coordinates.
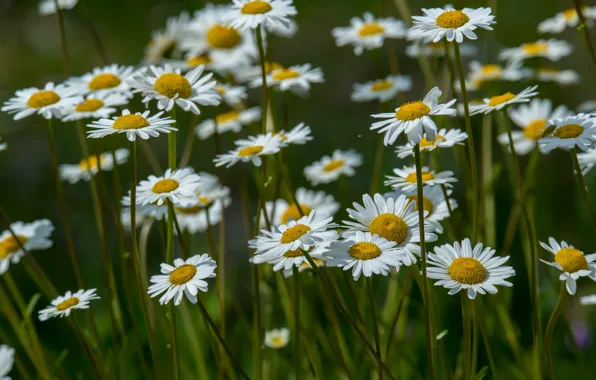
(60, 359)
(31, 305)
(482, 373)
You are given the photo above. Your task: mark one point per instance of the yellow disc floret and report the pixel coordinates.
(467, 270)
(390, 227)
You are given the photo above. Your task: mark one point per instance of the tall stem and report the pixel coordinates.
(582, 186)
(63, 43)
(490, 233)
(548, 334)
(467, 358)
(297, 355)
(375, 321)
(264, 103)
(581, 26)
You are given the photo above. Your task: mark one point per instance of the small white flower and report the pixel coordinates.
(48, 7)
(566, 19)
(587, 160)
(150, 210)
(570, 132)
(32, 236)
(562, 77)
(368, 32)
(232, 95)
(329, 169)
(228, 121)
(47, 102)
(250, 149)
(274, 14)
(450, 24)
(551, 49)
(480, 74)
(296, 79)
(298, 135)
(250, 73)
(444, 139)
(406, 179)
(6, 361)
(571, 262)
(165, 42)
(277, 338)
(63, 305)
(382, 90)
(104, 80)
(138, 124)
(176, 186)
(437, 49)
(185, 278)
(90, 166)
(95, 106)
(281, 212)
(499, 102)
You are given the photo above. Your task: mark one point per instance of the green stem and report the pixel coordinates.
(259, 33)
(490, 233)
(548, 334)
(63, 43)
(582, 186)
(581, 26)
(297, 355)
(378, 165)
(482, 325)
(404, 292)
(373, 309)
(466, 336)
(175, 364)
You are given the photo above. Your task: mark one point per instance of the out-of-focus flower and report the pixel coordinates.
(368, 32)
(382, 90)
(406, 178)
(250, 149)
(63, 305)
(227, 121)
(89, 166)
(330, 168)
(551, 49)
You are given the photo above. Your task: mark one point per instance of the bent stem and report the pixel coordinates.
(582, 186)
(548, 334)
(375, 322)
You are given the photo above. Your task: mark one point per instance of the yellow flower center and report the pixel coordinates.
(500, 99)
(571, 260)
(130, 122)
(570, 13)
(294, 253)
(11, 245)
(285, 74)
(535, 129)
(89, 105)
(534, 48)
(467, 270)
(165, 186)
(292, 212)
(223, 118)
(271, 66)
(183, 274)
(371, 29)
(569, 131)
(91, 162)
(250, 150)
(67, 304)
(223, 37)
(425, 143)
(278, 341)
(281, 135)
(426, 203)
(220, 89)
(452, 19)
(171, 84)
(364, 251)
(490, 69)
(199, 60)
(426, 176)
(381, 85)
(256, 8)
(294, 233)
(412, 111)
(103, 81)
(189, 210)
(43, 99)
(390, 227)
(333, 165)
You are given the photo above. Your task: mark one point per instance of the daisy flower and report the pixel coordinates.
(150, 210)
(250, 149)
(460, 267)
(406, 179)
(306, 265)
(563, 77)
(95, 106)
(587, 106)
(166, 43)
(570, 132)
(393, 219)
(532, 118)
(169, 87)
(296, 78)
(103, 80)
(444, 139)
(437, 49)
(198, 218)
(479, 74)
(382, 90)
(551, 49)
(89, 166)
(193, 61)
(251, 14)
(48, 7)
(177, 186)
(228, 121)
(499, 102)
(368, 32)
(31, 236)
(298, 135)
(248, 73)
(2, 145)
(6, 361)
(566, 19)
(47, 102)
(571, 262)
(587, 160)
(138, 124)
(63, 305)
(284, 31)
(413, 118)
(277, 338)
(451, 24)
(281, 212)
(232, 95)
(329, 169)
(186, 277)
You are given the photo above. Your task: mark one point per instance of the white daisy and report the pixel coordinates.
(281, 212)
(103, 80)
(532, 118)
(232, 95)
(382, 90)
(499, 102)
(437, 49)
(393, 219)
(186, 277)
(571, 262)
(150, 210)
(32, 236)
(284, 31)
(248, 73)
(169, 87)
(250, 149)
(413, 118)
(306, 265)
(587, 160)
(563, 77)
(47, 102)
(177, 186)
(296, 78)
(298, 135)
(587, 106)
(63, 305)
(228, 121)
(166, 43)
(269, 13)
(95, 106)
(6, 361)
(277, 338)
(460, 267)
(566, 19)
(480, 74)
(89, 166)
(570, 132)
(138, 124)
(406, 179)
(193, 61)
(551, 49)
(48, 7)
(368, 32)
(2, 145)
(329, 169)
(444, 139)
(450, 23)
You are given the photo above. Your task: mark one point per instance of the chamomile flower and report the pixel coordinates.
(298, 135)
(368, 32)
(461, 267)
(166, 43)
(250, 150)
(451, 24)
(277, 338)
(138, 124)
(444, 139)
(31, 236)
(587, 160)
(3, 145)
(199, 217)
(283, 31)
(413, 118)
(551, 49)
(393, 219)
(382, 89)
(169, 87)
(406, 179)
(570, 132)
(566, 19)
(281, 211)
(532, 118)
(232, 95)
(480, 74)
(251, 14)
(89, 166)
(6, 361)
(48, 7)
(329, 169)
(47, 102)
(562, 77)
(177, 186)
(103, 80)
(437, 49)
(63, 305)
(499, 102)
(249, 73)
(95, 106)
(228, 121)
(296, 78)
(185, 278)
(571, 262)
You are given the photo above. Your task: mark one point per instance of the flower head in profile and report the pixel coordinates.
(6, 361)
(102, 81)
(381, 90)
(48, 7)
(413, 119)
(480, 74)
(277, 338)
(550, 49)
(31, 236)
(368, 32)
(299, 135)
(232, 95)
(271, 14)
(562, 77)
(498, 102)
(95, 106)
(282, 211)
(587, 160)
(184, 278)
(296, 79)
(451, 24)
(230, 121)
(63, 305)
(176, 186)
(250, 150)
(570, 132)
(89, 166)
(407, 180)
(48, 102)
(444, 139)
(138, 124)
(566, 19)
(330, 168)
(572, 263)
(165, 43)
(437, 49)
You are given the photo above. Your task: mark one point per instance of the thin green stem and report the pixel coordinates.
(63, 43)
(582, 186)
(490, 233)
(378, 165)
(548, 334)
(480, 309)
(175, 364)
(375, 321)
(297, 355)
(264, 103)
(466, 336)
(404, 293)
(582, 27)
